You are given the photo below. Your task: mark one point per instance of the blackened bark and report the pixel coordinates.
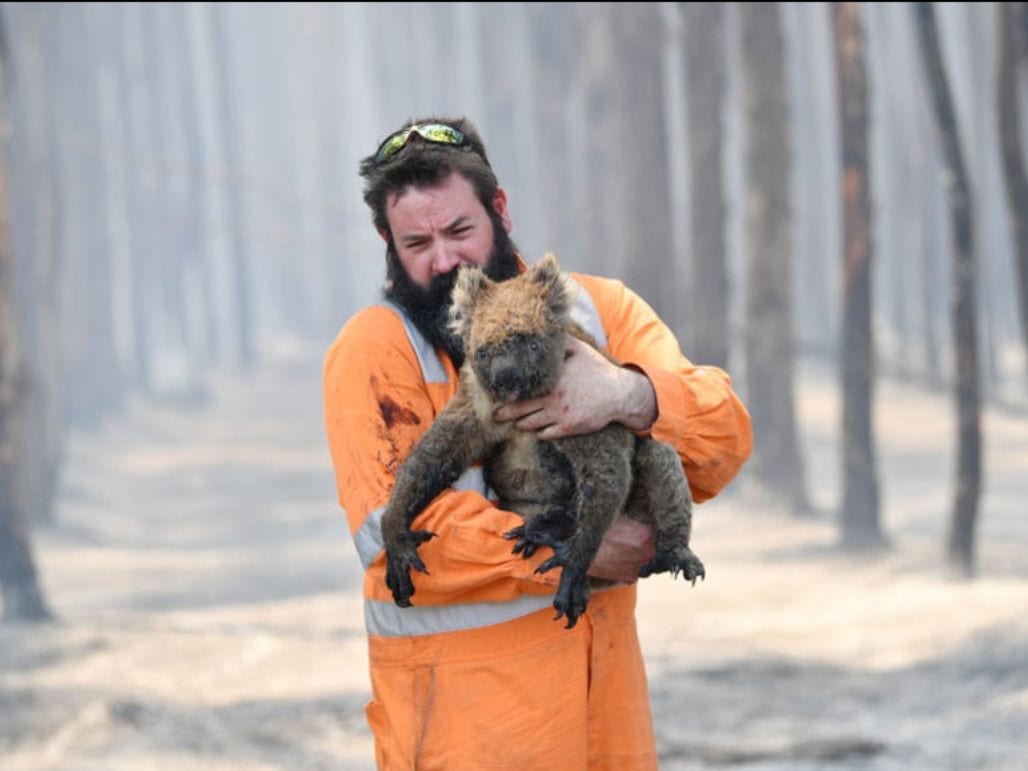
(1013, 48)
(860, 527)
(961, 535)
(23, 598)
(769, 345)
(705, 76)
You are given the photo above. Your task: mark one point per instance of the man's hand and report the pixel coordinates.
(592, 392)
(626, 547)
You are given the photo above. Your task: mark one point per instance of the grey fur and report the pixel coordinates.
(568, 490)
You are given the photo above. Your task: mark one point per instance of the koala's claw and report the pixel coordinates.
(525, 546)
(560, 557)
(678, 560)
(551, 528)
(400, 559)
(571, 598)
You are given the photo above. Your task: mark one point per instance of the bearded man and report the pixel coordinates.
(477, 674)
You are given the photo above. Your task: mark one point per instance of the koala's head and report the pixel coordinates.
(514, 331)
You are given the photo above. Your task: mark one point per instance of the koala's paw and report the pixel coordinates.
(571, 598)
(551, 528)
(677, 560)
(560, 557)
(400, 558)
(525, 546)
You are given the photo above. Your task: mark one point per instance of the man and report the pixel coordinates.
(477, 674)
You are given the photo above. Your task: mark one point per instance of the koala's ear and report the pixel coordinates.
(547, 272)
(471, 283)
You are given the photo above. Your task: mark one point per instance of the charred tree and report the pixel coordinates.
(556, 53)
(641, 191)
(860, 528)
(769, 343)
(705, 93)
(35, 219)
(961, 536)
(22, 596)
(595, 125)
(1013, 50)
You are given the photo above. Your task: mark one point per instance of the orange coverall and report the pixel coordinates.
(477, 674)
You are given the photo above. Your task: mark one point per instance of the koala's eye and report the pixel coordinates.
(481, 354)
(533, 346)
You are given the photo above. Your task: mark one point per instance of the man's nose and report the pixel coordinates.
(444, 259)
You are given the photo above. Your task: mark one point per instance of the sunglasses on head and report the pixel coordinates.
(438, 133)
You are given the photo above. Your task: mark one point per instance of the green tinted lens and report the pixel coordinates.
(437, 132)
(430, 132)
(392, 145)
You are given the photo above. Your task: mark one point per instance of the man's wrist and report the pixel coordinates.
(639, 407)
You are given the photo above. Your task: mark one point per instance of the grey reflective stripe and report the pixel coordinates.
(369, 538)
(584, 313)
(431, 367)
(387, 620)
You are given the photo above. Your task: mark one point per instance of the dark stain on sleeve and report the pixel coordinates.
(393, 413)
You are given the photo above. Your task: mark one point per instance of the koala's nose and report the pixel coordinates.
(506, 378)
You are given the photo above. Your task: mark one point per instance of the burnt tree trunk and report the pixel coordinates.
(860, 528)
(960, 538)
(33, 209)
(705, 76)
(598, 218)
(769, 343)
(22, 596)
(1013, 48)
(641, 191)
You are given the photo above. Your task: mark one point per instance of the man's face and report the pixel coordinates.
(438, 229)
(434, 231)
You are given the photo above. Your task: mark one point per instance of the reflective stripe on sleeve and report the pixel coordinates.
(387, 620)
(368, 539)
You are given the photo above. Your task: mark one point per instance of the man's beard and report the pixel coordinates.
(429, 308)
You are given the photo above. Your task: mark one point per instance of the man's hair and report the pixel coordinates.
(425, 164)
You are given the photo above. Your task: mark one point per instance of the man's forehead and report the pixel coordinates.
(439, 205)
(452, 186)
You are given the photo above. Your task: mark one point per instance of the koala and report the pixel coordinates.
(568, 490)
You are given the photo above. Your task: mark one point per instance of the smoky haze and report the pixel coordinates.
(184, 191)
(185, 236)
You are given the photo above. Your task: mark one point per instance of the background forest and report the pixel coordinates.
(829, 200)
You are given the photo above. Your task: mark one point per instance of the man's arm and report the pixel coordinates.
(658, 391)
(698, 411)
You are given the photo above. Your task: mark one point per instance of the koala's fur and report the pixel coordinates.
(569, 490)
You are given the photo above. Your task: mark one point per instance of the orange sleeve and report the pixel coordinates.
(377, 406)
(698, 412)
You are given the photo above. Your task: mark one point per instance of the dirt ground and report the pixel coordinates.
(210, 612)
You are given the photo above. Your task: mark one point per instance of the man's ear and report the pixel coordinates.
(384, 232)
(500, 207)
